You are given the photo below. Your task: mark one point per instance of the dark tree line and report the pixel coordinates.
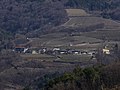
(28, 17)
(90, 5)
(92, 78)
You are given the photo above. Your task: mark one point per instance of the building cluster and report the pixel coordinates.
(27, 49)
(53, 51)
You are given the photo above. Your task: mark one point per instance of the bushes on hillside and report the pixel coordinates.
(30, 15)
(91, 78)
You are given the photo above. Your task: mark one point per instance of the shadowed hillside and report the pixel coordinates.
(59, 44)
(30, 15)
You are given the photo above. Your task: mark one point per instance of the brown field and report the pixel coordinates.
(113, 35)
(75, 58)
(76, 12)
(87, 21)
(42, 57)
(64, 40)
(17, 79)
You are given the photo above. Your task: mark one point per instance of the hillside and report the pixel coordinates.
(44, 42)
(91, 78)
(5, 38)
(36, 17)
(28, 15)
(87, 21)
(106, 8)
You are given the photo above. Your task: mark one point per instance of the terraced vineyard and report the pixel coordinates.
(113, 35)
(63, 40)
(88, 21)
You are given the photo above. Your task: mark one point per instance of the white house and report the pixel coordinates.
(106, 51)
(34, 52)
(56, 49)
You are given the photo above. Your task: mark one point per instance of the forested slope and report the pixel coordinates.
(92, 78)
(39, 16)
(28, 15)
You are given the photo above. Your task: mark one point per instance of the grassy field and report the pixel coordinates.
(74, 41)
(39, 57)
(45, 39)
(62, 40)
(76, 12)
(87, 21)
(104, 34)
(64, 58)
(110, 31)
(75, 58)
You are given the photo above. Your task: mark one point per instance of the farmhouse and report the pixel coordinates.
(76, 52)
(91, 53)
(110, 49)
(56, 49)
(106, 51)
(63, 52)
(84, 53)
(34, 52)
(42, 50)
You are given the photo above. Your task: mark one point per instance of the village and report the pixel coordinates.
(26, 50)
(54, 51)
(59, 44)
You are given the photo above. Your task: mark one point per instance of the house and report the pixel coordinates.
(106, 51)
(56, 49)
(76, 52)
(110, 49)
(25, 49)
(84, 53)
(91, 53)
(63, 52)
(28, 51)
(34, 52)
(42, 50)
(21, 45)
(21, 42)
